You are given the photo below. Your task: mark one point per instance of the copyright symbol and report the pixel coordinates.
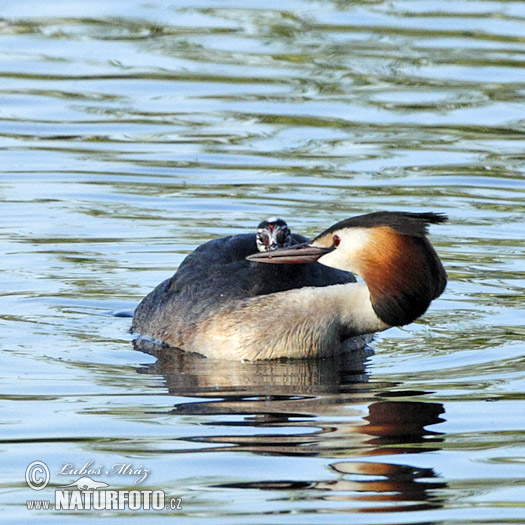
(37, 475)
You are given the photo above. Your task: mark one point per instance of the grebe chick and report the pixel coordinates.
(273, 233)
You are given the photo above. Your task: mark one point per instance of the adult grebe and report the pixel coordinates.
(217, 275)
(301, 316)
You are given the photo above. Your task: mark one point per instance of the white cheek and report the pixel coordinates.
(353, 241)
(334, 260)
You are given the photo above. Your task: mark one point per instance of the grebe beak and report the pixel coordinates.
(296, 254)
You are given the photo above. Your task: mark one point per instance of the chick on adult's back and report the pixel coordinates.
(223, 307)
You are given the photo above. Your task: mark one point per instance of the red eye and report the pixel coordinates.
(336, 239)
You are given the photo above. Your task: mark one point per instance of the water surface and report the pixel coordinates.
(131, 132)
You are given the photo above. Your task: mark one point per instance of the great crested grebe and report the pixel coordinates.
(217, 275)
(206, 309)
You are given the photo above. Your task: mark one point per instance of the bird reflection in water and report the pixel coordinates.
(329, 410)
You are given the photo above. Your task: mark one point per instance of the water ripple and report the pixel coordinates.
(132, 132)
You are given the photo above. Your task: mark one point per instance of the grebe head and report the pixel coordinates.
(389, 250)
(273, 233)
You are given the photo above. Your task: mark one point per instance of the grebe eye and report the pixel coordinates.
(336, 239)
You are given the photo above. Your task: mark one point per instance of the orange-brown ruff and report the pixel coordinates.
(401, 271)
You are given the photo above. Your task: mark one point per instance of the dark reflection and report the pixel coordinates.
(311, 408)
(191, 374)
(410, 488)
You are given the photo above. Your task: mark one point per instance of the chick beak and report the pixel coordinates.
(296, 254)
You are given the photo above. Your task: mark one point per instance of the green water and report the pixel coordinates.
(131, 132)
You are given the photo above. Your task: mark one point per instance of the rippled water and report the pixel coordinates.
(131, 132)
